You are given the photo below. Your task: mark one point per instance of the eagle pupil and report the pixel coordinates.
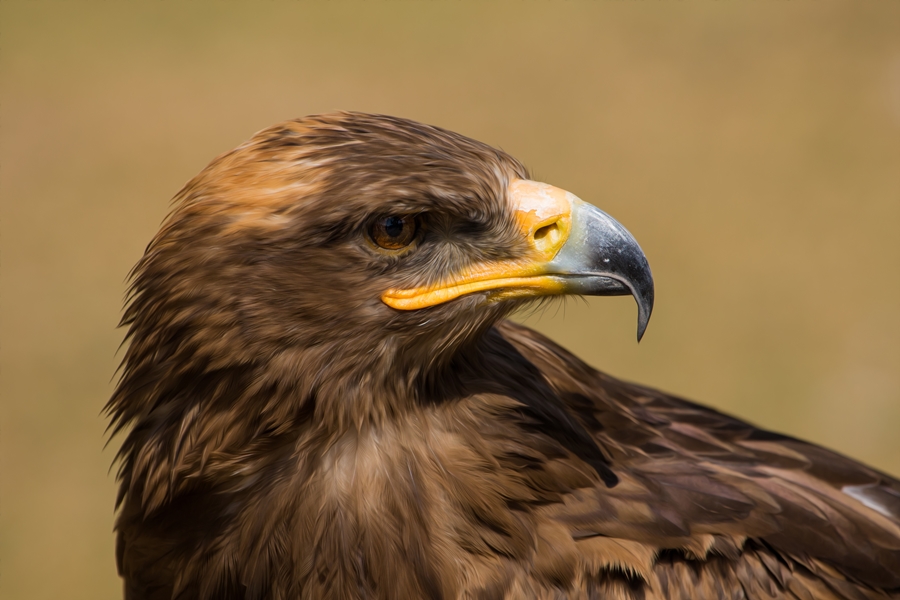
(393, 226)
(394, 232)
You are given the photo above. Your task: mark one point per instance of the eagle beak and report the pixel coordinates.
(574, 248)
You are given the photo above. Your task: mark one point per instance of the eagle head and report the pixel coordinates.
(330, 265)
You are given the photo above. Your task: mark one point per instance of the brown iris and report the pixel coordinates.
(394, 232)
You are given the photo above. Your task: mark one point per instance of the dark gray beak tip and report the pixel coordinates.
(644, 310)
(643, 292)
(644, 298)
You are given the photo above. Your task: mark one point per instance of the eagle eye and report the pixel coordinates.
(393, 232)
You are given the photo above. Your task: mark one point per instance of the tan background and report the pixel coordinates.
(753, 148)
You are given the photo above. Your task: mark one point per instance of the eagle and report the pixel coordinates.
(321, 399)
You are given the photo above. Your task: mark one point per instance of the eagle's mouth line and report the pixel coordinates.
(529, 285)
(510, 286)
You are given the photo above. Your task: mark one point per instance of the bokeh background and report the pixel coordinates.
(753, 148)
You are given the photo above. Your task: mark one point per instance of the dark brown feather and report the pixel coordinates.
(290, 436)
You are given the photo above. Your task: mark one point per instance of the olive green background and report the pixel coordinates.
(753, 148)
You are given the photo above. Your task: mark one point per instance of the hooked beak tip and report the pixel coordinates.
(645, 307)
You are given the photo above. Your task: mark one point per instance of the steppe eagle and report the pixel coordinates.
(322, 400)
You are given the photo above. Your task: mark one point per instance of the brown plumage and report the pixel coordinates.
(294, 434)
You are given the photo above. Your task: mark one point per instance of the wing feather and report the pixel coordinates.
(708, 506)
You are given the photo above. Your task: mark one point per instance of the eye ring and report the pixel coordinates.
(394, 232)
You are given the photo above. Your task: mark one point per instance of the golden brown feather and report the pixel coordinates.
(289, 435)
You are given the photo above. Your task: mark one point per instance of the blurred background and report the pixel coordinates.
(752, 148)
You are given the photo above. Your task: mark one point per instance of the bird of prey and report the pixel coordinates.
(323, 400)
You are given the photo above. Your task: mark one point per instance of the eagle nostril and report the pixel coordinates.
(546, 237)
